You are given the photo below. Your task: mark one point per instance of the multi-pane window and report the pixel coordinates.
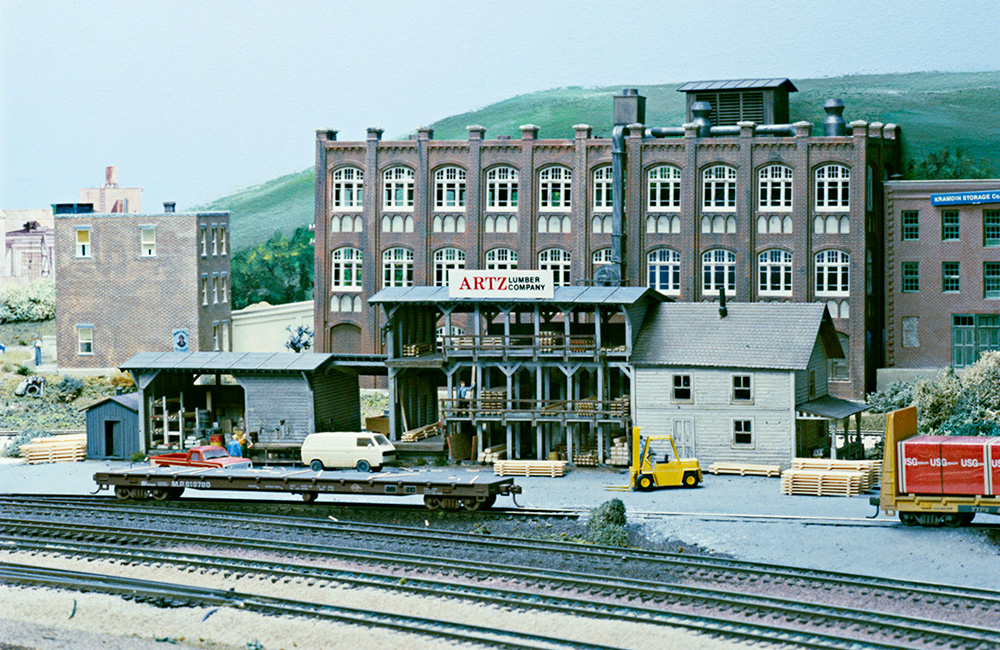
(83, 242)
(774, 268)
(449, 189)
(555, 185)
(85, 339)
(971, 335)
(501, 188)
(742, 432)
(681, 389)
(204, 241)
(742, 388)
(949, 225)
(222, 241)
(346, 187)
(719, 189)
(557, 261)
(204, 289)
(833, 273)
(911, 225)
(397, 189)
(718, 270)
(224, 288)
(951, 277)
(833, 188)
(397, 267)
(991, 280)
(991, 227)
(147, 241)
(447, 260)
(774, 189)
(501, 259)
(664, 271)
(664, 189)
(345, 269)
(602, 189)
(215, 288)
(215, 241)
(911, 277)
(601, 257)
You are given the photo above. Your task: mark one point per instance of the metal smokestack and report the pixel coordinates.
(723, 310)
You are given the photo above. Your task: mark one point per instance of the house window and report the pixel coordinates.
(833, 273)
(83, 242)
(991, 227)
(557, 261)
(448, 223)
(147, 241)
(397, 223)
(501, 189)
(397, 189)
(345, 269)
(774, 189)
(664, 189)
(972, 335)
(774, 269)
(719, 189)
(215, 336)
(662, 224)
(204, 289)
(718, 270)
(742, 388)
(501, 223)
(911, 225)
(602, 189)
(833, 188)
(991, 280)
(447, 260)
(949, 225)
(222, 241)
(204, 241)
(743, 432)
(664, 271)
(812, 383)
(555, 185)
(449, 189)
(951, 277)
(911, 277)
(397, 267)
(224, 289)
(681, 391)
(84, 339)
(346, 187)
(225, 336)
(501, 259)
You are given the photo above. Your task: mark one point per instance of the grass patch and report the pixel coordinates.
(24, 332)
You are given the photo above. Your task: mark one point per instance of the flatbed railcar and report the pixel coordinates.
(923, 509)
(471, 493)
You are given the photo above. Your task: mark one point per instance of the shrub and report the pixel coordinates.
(122, 380)
(607, 524)
(897, 395)
(34, 302)
(610, 535)
(13, 448)
(23, 370)
(69, 389)
(937, 400)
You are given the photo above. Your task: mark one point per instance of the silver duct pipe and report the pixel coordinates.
(610, 275)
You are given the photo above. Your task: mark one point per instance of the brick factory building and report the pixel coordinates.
(129, 283)
(736, 198)
(942, 251)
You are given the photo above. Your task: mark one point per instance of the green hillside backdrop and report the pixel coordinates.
(935, 110)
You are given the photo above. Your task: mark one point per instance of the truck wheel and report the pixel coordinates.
(690, 480)
(309, 497)
(363, 466)
(123, 492)
(644, 482)
(316, 465)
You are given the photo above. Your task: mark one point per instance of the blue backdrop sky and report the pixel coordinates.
(194, 100)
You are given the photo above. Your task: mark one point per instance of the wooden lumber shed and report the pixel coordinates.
(113, 427)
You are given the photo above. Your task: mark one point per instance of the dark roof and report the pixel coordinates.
(573, 294)
(832, 407)
(128, 400)
(245, 362)
(752, 335)
(737, 84)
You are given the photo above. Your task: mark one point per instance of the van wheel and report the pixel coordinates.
(123, 492)
(908, 518)
(316, 465)
(363, 466)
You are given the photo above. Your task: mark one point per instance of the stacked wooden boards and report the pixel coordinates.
(58, 449)
(619, 452)
(493, 454)
(823, 477)
(745, 469)
(417, 349)
(549, 468)
(423, 432)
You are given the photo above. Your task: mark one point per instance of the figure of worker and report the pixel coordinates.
(464, 395)
(38, 351)
(233, 448)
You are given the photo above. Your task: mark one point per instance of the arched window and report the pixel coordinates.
(663, 271)
(719, 189)
(718, 269)
(602, 189)
(501, 223)
(602, 224)
(397, 267)
(774, 273)
(774, 189)
(449, 189)
(501, 189)
(555, 185)
(663, 189)
(601, 257)
(397, 189)
(557, 261)
(833, 273)
(345, 269)
(501, 259)
(663, 224)
(833, 188)
(346, 186)
(447, 260)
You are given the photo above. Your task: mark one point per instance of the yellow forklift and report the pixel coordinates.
(647, 473)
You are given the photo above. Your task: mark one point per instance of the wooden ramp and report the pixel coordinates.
(745, 469)
(58, 449)
(550, 468)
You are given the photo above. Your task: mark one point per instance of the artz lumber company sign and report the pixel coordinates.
(501, 284)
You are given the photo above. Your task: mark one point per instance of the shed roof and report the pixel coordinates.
(249, 362)
(738, 84)
(832, 407)
(777, 336)
(572, 294)
(128, 400)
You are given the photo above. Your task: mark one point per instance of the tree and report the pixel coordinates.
(277, 271)
(299, 339)
(948, 164)
(962, 406)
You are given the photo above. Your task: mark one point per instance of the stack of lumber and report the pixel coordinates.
(617, 348)
(745, 469)
(493, 454)
(620, 406)
(463, 341)
(550, 468)
(580, 345)
(822, 483)
(417, 349)
(619, 452)
(492, 402)
(546, 341)
(872, 469)
(58, 449)
(585, 457)
(587, 405)
(493, 342)
(413, 435)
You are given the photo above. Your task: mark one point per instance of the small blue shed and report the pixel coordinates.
(113, 427)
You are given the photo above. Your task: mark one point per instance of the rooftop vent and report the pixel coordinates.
(169, 206)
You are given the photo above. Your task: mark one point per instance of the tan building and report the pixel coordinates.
(27, 246)
(111, 198)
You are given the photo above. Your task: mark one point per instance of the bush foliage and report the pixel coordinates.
(606, 525)
(278, 271)
(962, 406)
(34, 302)
(897, 395)
(13, 448)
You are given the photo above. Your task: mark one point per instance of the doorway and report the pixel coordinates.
(112, 435)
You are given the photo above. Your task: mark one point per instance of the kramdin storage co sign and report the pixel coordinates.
(501, 284)
(966, 198)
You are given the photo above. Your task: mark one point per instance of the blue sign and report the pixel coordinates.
(966, 198)
(181, 342)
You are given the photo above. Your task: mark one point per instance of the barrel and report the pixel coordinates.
(216, 439)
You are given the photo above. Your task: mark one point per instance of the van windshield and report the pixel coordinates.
(382, 440)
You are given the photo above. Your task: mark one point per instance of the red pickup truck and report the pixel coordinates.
(207, 456)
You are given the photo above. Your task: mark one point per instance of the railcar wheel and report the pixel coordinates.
(363, 466)
(690, 480)
(123, 492)
(472, 503)
(316, 465)
(160, 494)
(908, 518)
(645, 482)
(309, 497)
(432, 503)
(953, 521)
(140, 494)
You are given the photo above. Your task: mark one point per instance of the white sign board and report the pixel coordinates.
(501, 284)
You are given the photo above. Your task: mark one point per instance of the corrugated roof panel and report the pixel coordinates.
(737, 84)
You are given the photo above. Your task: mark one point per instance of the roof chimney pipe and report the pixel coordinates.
(723, 310)
(629, 107)
(169, 206)
(834, 123)
(701, 111)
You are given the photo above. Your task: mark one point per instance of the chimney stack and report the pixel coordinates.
(629, 107)
(169, 206)
(723, 310)
(834, 122)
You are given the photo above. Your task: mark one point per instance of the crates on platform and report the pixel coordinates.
(417, 349)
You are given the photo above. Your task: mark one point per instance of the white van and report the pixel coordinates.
(361, 450)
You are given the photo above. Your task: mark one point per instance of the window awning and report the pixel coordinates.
(830, 407)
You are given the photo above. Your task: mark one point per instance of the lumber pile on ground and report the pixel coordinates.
(413, 435)
(550, 468)
(585, 457)
(417, 349)
(493, 454)
(619, 452)
(745, 469)
(821, 483)
(57, 449)
(871, 468)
